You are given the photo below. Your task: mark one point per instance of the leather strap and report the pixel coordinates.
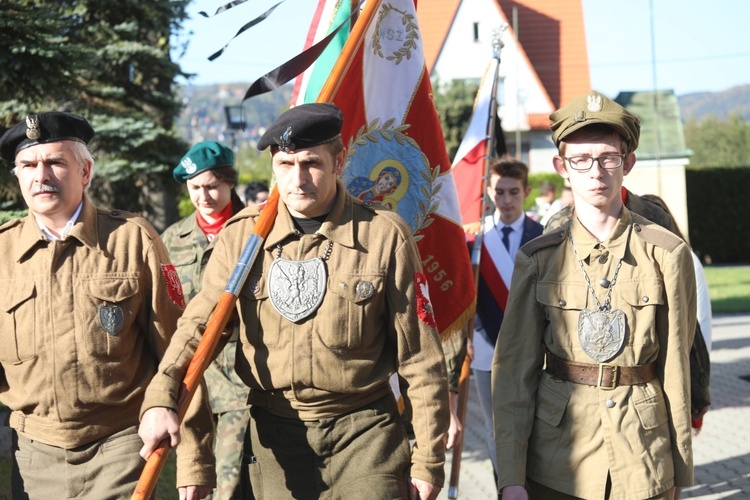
(604, 376)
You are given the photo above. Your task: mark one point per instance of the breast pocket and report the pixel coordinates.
(109, 307)
(353, 300)
(640, 300)
(185, 264)
(18, 322)
(562, 304)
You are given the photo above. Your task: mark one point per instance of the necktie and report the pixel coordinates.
(506, 240)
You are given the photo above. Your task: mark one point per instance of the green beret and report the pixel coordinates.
(594, 108)
(304, 126)
(203, 156)
(42, 128)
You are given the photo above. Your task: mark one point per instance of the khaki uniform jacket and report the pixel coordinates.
(67, 378)
(341, 357)
(566, 435)
(190, 250)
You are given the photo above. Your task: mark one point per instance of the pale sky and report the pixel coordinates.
(699, 46)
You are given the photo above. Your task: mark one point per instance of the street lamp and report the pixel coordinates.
(235, 121)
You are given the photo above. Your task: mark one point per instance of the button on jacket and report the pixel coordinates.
(569, 436)
(341, 357)
(83, 322)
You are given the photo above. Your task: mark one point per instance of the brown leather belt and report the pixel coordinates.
(604, 376)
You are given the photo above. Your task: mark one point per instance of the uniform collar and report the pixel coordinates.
(85, 230)
(616, 243)
(337, 226)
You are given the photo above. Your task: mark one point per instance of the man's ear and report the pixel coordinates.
(628, 163)
(526, 192)
(340, 161)
(86, 172)
(559, 165)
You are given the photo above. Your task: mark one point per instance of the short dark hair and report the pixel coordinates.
(510, 167)
(252, 189)
(226, 174)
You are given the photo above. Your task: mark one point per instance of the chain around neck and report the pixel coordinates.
(607, 300)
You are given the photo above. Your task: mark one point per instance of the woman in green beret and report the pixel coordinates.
(208, 173)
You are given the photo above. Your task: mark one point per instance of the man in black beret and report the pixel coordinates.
(89, 303)
(334, 304)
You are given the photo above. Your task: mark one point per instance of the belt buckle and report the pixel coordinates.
(615, 373)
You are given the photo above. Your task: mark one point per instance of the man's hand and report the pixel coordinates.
(422, 490)
(194, 492)
(454, 431)
(515, 492)
(157, 424)
(469, 349)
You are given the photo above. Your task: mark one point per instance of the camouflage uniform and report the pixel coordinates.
(190, 250)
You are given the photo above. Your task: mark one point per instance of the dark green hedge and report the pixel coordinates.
(718, 201)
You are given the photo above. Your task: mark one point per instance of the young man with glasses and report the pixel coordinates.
(592, 400)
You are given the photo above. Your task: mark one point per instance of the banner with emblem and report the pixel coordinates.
(396, 152)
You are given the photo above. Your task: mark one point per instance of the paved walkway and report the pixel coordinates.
(721, 450)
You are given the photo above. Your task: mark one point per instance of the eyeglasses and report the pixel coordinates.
(584, 163)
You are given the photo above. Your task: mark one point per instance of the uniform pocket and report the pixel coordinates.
(562, 304)
(652, 411)
(185, 265)
(18, 322)
(353, 297)
(547, 434)
(108, 308)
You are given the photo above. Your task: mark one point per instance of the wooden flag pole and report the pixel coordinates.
(463, 381)
(210, 339)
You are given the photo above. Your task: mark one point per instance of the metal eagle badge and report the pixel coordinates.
(111, 319)
(601, 333)
(296, 288)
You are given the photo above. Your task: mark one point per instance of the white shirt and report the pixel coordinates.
(66, 230)
(703, 301)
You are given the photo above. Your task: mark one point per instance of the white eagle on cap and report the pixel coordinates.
(594, 103)
(189, 165)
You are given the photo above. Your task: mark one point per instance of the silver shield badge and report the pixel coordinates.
(111, 318)
(601, 333)
(296, 288)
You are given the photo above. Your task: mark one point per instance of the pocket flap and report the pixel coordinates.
(184, 259)
(550, 404)
(16, 294)
(112, 289)
(652, 411)
(641, 293)
(356, 288)
(562, 295)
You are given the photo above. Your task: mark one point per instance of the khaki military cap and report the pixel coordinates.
(590, 109)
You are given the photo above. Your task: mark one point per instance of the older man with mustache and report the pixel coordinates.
(89, 304)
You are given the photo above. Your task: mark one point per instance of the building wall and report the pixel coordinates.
(665, 179)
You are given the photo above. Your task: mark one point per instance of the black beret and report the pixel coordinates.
(304, 126)
(52, 126)
(592, 108)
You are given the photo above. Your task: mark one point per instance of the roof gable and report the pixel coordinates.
(668, 121)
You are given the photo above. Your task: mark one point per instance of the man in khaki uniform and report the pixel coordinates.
(89, 304)
(334, 304)
(591, 372)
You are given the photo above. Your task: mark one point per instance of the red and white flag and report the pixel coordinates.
(469, 163)
(396, 150)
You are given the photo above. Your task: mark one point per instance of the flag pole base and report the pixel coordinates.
(453, 492)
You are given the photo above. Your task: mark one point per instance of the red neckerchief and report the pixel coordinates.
(211, 229)
(624, 194)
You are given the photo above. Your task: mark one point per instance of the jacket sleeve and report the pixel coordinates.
(676, 333)
(195, 459)
(421, 365)
(515, 373)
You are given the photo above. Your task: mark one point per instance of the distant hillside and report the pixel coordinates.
(700, 105)
(204, 119)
